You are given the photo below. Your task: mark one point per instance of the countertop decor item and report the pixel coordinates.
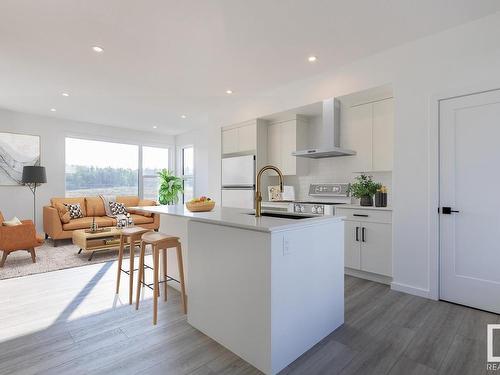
(170, 187)
(34, 176)
(381, 197)
(364, 188)
(202, 204)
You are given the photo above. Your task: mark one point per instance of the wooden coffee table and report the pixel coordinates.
(103, 240)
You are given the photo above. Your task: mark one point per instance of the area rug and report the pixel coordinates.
(50, 258)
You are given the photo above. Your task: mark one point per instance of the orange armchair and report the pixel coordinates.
(19, 237)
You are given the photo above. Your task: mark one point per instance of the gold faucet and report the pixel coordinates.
(258, 194)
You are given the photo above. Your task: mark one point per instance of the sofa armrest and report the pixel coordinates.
(18, 237)
(51, 221)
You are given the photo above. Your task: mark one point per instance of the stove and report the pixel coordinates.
(333, 193)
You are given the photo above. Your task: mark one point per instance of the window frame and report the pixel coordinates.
(180, 169)
(140, 181)
(141, 169)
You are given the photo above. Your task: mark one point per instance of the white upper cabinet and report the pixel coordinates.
(283, 138)
(369, 130)
(239, 138)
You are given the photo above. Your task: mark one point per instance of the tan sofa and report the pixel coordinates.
(54, 227)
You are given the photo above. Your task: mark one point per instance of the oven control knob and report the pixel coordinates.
(313, 209)
(296, 208)
(302, 208)
(319, 210)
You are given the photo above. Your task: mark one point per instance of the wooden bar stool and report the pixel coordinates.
(160, 241)
(131, 235)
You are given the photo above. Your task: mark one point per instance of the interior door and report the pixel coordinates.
(469, 203)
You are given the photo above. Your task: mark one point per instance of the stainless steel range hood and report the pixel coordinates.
(330, 135)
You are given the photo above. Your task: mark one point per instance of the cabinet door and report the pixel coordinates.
(356, 135)
(229, 141)
(274, 145)
(288, 135)
(383, 135)
(247, 138)
(352, 246)
(376, 248)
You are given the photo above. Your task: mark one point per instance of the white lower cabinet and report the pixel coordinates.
(368, 240)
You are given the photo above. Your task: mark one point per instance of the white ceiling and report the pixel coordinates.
(165, 58)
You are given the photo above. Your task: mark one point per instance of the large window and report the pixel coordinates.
(94, 167)
(154, 159)
(187, 168)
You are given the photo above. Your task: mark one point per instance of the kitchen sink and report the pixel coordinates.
(283, 215)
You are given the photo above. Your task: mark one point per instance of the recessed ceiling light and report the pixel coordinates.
(65, 94)
(183, 116)
(229, 92)
(98, 49)
(53, 110)
(312, 58)
(154, 126)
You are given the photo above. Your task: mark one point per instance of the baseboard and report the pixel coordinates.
(425, 293)
(368, 276)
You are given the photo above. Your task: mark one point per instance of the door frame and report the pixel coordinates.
(433, 176)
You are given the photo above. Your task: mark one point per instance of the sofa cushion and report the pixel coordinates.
(117, 208)
(75, 210)
(80, 200)
(85, 222)
(128, 200)
(139, 219)
(63, 212)
(142, 203)
(95, 206)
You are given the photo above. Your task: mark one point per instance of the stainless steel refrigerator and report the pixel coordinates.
(238, 181)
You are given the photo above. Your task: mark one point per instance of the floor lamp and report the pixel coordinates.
(33, 176)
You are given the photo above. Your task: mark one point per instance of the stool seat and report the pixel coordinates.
(153, 238)
(131, 231)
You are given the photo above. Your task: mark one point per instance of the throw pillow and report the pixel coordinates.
(75, 210)
(12, 222)
(117, 208)
(63, 212)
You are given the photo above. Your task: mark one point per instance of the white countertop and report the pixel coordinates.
(237, 217)
(358, 207)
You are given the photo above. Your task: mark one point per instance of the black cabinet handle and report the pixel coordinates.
(357, 234)
(363, 239)
(448, 211)
(360, 215)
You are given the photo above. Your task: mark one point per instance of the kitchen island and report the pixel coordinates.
(266, 288)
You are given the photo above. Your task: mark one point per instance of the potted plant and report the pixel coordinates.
(364, 189)
(170, 187)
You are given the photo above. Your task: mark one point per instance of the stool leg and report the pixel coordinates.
(141, 275)
(181, 276)
(131, 273)
(156, 265)
(120, 257)
(164, 256)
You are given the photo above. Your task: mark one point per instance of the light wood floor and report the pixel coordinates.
(70, 322)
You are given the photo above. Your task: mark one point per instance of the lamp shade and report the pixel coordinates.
(34, 175)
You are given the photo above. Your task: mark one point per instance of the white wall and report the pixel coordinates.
(18, 200)
(461, 57)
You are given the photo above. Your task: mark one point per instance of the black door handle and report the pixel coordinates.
(363, 239)
(357, 234)
(448, 211)
(359, 215)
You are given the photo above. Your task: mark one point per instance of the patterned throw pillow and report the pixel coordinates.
(117, 208)
(75, 210)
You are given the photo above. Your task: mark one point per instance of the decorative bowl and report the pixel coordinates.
(200, 206)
